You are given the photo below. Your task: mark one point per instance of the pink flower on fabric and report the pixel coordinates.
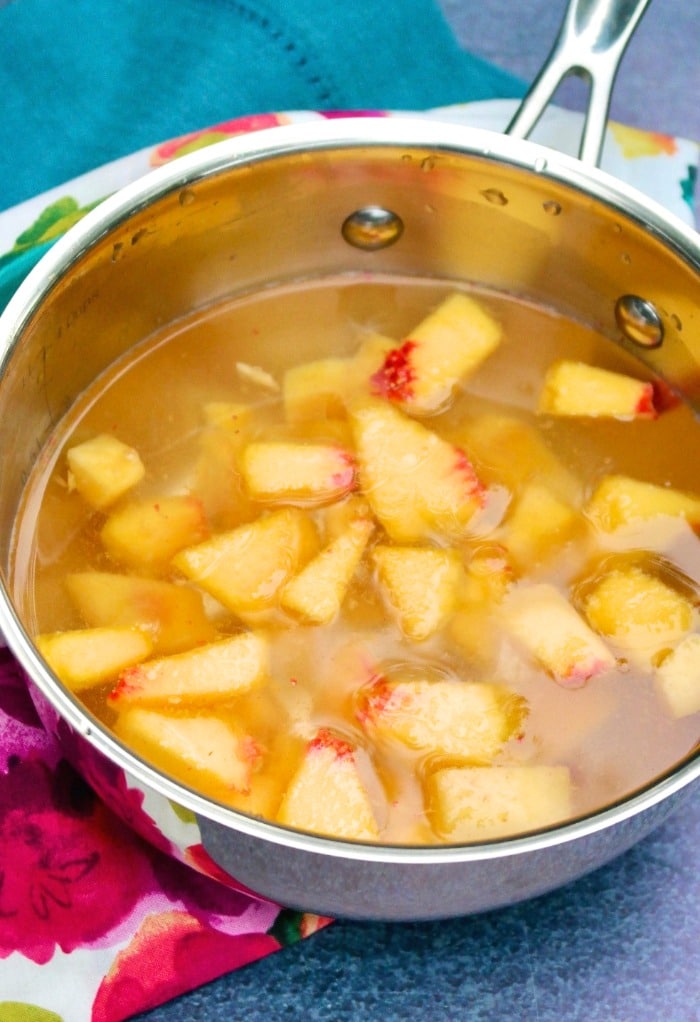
(215, 133)
(188, 953)
(69, 870)
(109, 781)
(21, 731)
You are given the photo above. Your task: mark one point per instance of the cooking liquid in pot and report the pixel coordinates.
(349, 725)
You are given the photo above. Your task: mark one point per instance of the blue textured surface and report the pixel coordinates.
(99, 81)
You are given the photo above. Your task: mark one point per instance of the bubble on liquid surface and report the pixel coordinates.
(552, 207)
(495, 196)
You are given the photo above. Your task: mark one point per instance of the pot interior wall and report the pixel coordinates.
(466, 217)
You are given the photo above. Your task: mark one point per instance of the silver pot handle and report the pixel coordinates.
(591, 41)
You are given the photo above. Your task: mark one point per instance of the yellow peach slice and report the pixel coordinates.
(466, 721)
(316, 594)
(103, 469)
(484, 803)
(574, 388)
(305, 472)
(416, 483)
(677, 678)
(201, 748)
(146, 534)
(421, 585)
(543, 620)
(327, 794)
(172, 615)
(620, 500)
(206, 674)
(86, 657)
(245, 568)
(635, 609)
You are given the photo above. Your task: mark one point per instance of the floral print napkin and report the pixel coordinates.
(96, 923)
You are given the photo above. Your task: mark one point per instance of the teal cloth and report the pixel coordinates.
(84, 82)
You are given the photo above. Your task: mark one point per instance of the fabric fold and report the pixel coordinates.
(98, 82)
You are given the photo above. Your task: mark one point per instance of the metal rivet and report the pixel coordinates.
(372, 227)
(639, 321)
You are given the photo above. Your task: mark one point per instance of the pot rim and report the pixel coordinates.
(410, 131)
(352, 133)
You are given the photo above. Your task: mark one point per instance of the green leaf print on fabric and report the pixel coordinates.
(688, 185)
(14, 1011)
(287, 927)
(186, 815)
(53, 221)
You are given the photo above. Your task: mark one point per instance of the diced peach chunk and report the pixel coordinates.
(316, 594)
(337, 517)
(538, 525)
(421, 585)
(327, 794)
(574, 388)
(232, 416)
(246, 567)
(147, 534)
(312, 473)
(103, 469)
(677, 678)
(172, 615)
(542, 619)
(422, 371)
(467, 721)
(488, 575)
(515, 453)
(620, 500)
(416, 483)
(217, 481)
(201, 747)
(207, 674)
(637, 610)
(314, 390)
(487, 578)
(87, 657)
(485, 803)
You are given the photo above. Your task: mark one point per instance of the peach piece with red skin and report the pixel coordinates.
(417, 483)
(212, 673)
(542, 619)
(422, 371)
(288, 471)
(466, 721)
(326, 794)
(577, 389)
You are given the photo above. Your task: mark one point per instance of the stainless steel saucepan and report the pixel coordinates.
(399, 196)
